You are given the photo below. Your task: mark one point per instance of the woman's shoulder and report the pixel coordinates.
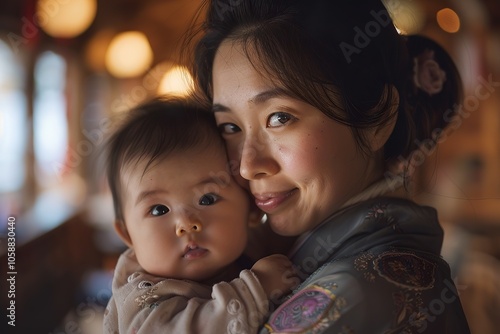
(377, 223)
(374, 292)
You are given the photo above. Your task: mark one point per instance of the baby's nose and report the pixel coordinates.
(187, 227)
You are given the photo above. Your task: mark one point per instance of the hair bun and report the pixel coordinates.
(430, 95)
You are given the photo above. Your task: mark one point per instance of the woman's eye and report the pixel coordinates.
(208, 199)
(159, 210)
(278, 119)
(228, 128)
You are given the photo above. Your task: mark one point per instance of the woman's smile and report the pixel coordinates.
(268, 202)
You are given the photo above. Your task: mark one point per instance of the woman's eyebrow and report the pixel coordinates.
(219, 108)
(259, 98)
(264, 96)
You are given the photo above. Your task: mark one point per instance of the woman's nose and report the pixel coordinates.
(255, 159)
(187, 225)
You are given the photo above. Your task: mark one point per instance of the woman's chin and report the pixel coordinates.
(283, 226)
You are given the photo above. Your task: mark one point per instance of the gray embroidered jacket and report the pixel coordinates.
(373, 267)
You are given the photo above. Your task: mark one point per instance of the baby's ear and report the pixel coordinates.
(122, 232)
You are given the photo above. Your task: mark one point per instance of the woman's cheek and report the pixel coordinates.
(297, 156)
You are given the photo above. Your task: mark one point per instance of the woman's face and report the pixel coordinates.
(300, 165)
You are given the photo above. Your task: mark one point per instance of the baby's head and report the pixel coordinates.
(175, 201)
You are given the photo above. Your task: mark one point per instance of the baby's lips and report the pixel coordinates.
(193, 251)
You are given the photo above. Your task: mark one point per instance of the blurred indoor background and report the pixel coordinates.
(69, 67)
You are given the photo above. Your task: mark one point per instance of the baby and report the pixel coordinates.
(186, 223)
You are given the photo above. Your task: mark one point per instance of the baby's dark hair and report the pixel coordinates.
(342, 57)
(154, 130)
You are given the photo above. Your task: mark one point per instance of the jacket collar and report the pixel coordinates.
(381, 221)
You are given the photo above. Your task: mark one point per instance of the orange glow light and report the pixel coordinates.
(448, 20)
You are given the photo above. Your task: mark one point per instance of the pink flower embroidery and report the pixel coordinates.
(427, 75)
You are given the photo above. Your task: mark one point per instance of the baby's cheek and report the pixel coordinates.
(242, 182)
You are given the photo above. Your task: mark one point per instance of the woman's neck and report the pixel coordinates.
(388, 185)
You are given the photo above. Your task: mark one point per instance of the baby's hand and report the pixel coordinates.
(276, 275)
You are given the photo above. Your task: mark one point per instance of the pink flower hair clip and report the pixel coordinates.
(427, 75)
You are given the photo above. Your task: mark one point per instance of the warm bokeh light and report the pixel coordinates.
(177, 81)
(408, 17)
(448, 20)
(65, 19)
(129, 55)
(95, 50)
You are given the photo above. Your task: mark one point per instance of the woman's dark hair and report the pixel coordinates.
(154, 130)
(342, 57)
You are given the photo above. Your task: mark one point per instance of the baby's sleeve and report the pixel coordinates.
(177, 306)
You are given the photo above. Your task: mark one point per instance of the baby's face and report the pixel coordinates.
(186, 217)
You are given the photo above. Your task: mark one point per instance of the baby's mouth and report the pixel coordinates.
(193, 251)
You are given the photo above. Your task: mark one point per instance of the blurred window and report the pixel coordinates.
(13, 126)
(50, 123)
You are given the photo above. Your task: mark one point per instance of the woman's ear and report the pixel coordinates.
(122, 232)
(378, 135)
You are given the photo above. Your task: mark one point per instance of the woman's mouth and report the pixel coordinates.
(193, 252)
(267, 202)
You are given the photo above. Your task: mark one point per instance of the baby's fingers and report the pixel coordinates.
(291, 278)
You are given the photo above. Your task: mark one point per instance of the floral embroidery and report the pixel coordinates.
(363, 263)
(411, 274)
(378, 213)
(133, 276)
(309, 311)
(234, 307)
(145, 284)
(369, 277)
(406, 270)
(404, 305)
(148, 298)
(410, 315)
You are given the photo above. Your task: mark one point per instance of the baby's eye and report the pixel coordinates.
(278, 119)
(158, 210)
(228, 128)
(208, 199)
